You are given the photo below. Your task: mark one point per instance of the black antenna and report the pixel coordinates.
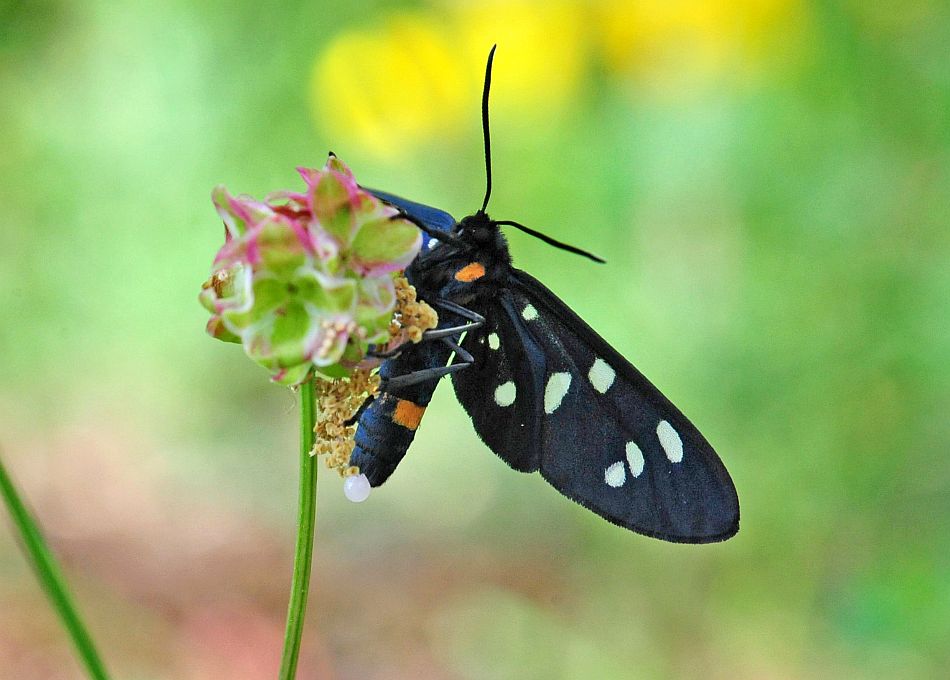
(485, 132)
(550, 241)
(487, 136)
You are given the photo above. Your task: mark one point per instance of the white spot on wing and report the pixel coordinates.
(670, 441)
(615, 475)
(433, 242)
(529, 313)
(505, 394)
(634, 459)
(558, 385)
(601, 376)
(493, 341)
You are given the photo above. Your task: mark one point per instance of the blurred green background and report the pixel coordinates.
(770, 181)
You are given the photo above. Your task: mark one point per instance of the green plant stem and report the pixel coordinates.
(50, 577)
(303, 552)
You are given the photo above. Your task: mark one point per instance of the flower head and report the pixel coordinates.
(306, 279)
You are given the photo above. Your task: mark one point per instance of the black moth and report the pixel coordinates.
(544, 391)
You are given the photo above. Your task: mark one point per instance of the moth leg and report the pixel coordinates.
(394, 352)
(416, 377)
(436, 334)
(449, 332)
(466, 359)
(463, 312)
(476, 320)
(425, 374)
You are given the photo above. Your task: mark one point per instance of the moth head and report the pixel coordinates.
(478, 229)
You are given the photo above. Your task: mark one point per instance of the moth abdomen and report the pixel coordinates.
(388, 425)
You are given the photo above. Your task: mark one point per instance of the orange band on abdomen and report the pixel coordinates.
(407, 414)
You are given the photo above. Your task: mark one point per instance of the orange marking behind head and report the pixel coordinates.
(407, 414)
(470, 272)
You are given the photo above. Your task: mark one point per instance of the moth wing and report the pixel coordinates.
(595, 427)
(503, 390)
(429, 216)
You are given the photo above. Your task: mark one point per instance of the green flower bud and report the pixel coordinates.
(305, 280)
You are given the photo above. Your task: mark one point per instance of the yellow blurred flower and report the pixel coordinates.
(418, 77)
(662, 42)
(389, 87)
(541, 57)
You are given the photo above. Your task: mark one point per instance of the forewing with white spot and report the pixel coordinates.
(594, 426)
(508, 387)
